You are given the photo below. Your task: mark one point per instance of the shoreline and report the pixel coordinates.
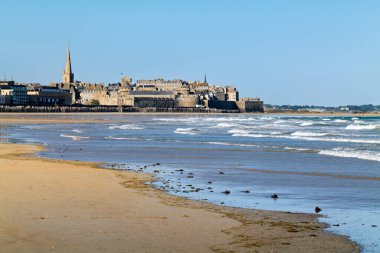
(41, 118)
(222, 228)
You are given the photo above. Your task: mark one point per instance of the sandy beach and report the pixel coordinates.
(56, 206)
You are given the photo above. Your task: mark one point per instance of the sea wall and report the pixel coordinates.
(250, 105)
(89, 108)
(223, 105)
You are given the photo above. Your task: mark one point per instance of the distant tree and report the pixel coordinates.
(95, 102)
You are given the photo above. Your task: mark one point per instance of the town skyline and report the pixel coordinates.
(325, 54)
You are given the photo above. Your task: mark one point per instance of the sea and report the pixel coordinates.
(308, 161)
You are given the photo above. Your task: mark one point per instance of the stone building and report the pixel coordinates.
(91, 93)
(159, 84)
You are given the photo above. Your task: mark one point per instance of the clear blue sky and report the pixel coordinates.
(324, 52)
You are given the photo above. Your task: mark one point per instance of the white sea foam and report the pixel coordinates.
(126, 127)
(74, 137)
(231, 144)
(76, 131)
(297, 149)
(276, 133)
(308, 134)
(251, 135)
(309, 138)
(361, 127)
(189, 131)
(326, 119)
(238, 131)
(340, 121)
(341, 140)
(351, 153)
(307, 124)
(224, 125)
(120, 138)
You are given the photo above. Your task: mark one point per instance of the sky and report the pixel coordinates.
(315, 52)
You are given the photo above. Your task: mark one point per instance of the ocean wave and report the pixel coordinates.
(121, 138)
(299, 149)
(351, 153)
(307, 124)
(340, 140)
(340, 121)
(76, 131)
(224, 125)
(307, 138)
(251, 135)
(126, 127)
(308, 134)
(231, 144)
(189, 131)
(361, 127)
(238, 131)
(74, 137)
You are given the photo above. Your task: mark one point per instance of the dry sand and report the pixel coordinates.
(49, 118)
(56, 206)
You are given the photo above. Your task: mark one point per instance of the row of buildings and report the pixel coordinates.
(158, 93)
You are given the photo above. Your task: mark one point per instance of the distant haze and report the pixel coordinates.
(286, 52)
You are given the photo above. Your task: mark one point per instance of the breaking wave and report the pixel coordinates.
(224, 125)
(351, 153)
(121, 138)
(231, 144)
(361, 127)
(340, 121)
(238, 131)
(74, 137)
(308, 134)
(189, 131)
(126, 127)
(299, 149)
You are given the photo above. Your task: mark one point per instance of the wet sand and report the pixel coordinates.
(59, 206)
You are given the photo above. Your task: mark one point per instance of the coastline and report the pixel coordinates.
(67, 118)
(51, 205)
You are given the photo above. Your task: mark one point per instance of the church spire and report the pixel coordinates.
(68, 61)
(205, 81)
(68, 75)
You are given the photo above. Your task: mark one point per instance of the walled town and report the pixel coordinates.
(143, 95)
